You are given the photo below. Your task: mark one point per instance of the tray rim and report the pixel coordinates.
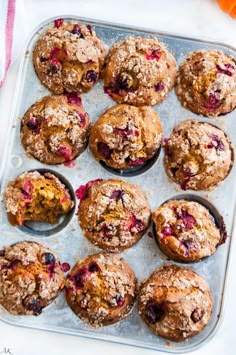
(228, 266)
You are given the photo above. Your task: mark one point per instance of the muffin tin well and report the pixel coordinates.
(69, 242)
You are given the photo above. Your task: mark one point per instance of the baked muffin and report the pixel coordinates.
(34, 196)
(30, 278)
(126, 136)
(198, 155)
(186, 231)
(206, 82)
(55, 129)
(175, 303)
(101, 289)
(139, 71)
(68, 57)
(113, 214)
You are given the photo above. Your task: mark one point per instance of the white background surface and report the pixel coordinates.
(201, 18)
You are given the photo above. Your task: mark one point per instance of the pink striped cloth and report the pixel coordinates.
(7, 16)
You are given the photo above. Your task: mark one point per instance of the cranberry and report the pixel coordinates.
(117, 194)
(91, 76)
(27, 187)
(77, 31)
(213, 102)
(155, 312)
(32, 303)
(54, 65)
(82, 118)
(65, 267)
(227, 69)
(188, 220)
(65, 152)
(124, 132)
(120, 301)
(136, 133)
(82, 192)
(150, 234)
(80, 277)
(93, 267)
(104, 150)
(58, 22)
(48, 259)
(154, 54)
(55, 52)
(159, 86)
(166, 140)
(107, 231)
(73, 98)
(137, 162)
(167, 231)
(90, 29)
(136, 224)
(216, 143)
(197, 315)
(187, 177)
(187, 244)
(32, 123)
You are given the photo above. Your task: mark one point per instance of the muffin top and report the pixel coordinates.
(206, 82)
(113, 214)
(175, 302)
(126, 136)
(101, 289)
(33, 196)
(55, 129)
(186, 231)
(30, 277)
(198, 155)
(139, 71)
(68, 57)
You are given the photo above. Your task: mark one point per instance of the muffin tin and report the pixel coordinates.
(145, 256)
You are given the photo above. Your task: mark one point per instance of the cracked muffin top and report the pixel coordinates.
(175, 302)
(198, 155)
(30, 278)
(101, 289)
(206, 83)
(68, 57)
(55, 129)
(126, 136)
(113, 214)
(139, 71)
(186, 231)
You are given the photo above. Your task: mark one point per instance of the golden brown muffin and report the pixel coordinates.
(126, 136)
(198, 155)
(33, 196)
(68, 57)
(101, 289)
(30, 278)
(175, 303)
(206, 82)
(55, 129)
(139, 71)
(113, 214)
(186, 231)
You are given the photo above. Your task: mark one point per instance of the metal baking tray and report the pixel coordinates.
(145, 256)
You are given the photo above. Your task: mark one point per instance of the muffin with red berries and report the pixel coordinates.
(206, 82)
(30, 278)
(68, 57)
(198, 155)
(55, 129)
(175, 303)
(186, 231)
(139, 71)
(113, 214)
(35, 196)
(101, 289)
(126, 136)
